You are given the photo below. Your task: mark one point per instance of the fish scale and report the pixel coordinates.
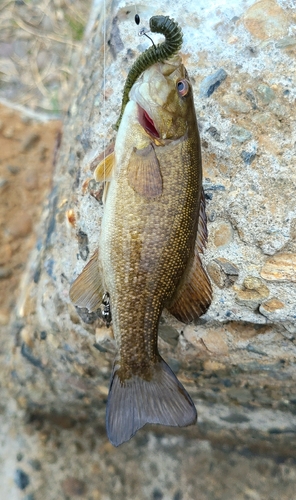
(153, 228)
(167, 225)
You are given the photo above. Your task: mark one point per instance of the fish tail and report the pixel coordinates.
(134, 402)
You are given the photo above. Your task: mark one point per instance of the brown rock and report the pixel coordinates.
(252, 283)
(4, 317)
(235, 104)
(241, 330)
(212, 341)
(272, 305)
(223, 235)
(223, 272)
(72, 486)
(213, 366)
(252, 293)
(5, 272)
(215, 342)
(5, 253)
(20, 225)
(280, 267)
(265, 19)
(30, 141)
(27, 335)
(31, 181)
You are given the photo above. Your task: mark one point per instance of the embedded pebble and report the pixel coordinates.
(223, 272)
(21, 479)
(266, 93)
(31, 181)
(3, 183)
(241, 395)
(13, 169)
(272, 304)
(8, 132)
(266, 19)
(73, 486)
(252, 293)
(5, 272)
(212, 82)
(273, 309)
(286, 42)
(30, 141)
(35, 464)
(4, 317)
(223, 234)
(240, 134)
(50, 457)
(211, 341)
(27, 335)
(20, 225)
(232, 103)
(248, 157)
(280, 267)
(169, 334)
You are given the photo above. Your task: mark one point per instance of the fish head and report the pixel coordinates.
(164, 97)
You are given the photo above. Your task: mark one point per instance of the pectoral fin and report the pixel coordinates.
(87, 290)
(195, 294)
(104, 169)
(144, 174)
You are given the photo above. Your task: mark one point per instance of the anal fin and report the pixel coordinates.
(194, 296)
(87, 290)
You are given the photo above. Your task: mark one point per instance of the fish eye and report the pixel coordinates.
(182, 88)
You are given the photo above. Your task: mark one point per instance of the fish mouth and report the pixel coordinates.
(147, 123)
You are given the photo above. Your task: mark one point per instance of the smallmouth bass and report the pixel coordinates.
(153, 229)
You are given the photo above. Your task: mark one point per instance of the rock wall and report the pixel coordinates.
(238, 360)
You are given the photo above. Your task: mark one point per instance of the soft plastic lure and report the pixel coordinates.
(157, 53)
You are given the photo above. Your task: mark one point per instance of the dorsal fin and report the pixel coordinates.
(144, 174)
(195, 294)
(202, 231)
(87, 290)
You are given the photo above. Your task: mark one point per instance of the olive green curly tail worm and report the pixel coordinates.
(172, 44)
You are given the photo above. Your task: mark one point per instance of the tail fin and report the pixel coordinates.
(136, 402)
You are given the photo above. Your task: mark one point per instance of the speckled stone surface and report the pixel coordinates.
(238, 361)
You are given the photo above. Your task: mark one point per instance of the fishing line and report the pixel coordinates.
(104, 88)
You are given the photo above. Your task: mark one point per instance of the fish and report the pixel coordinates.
(152, 233)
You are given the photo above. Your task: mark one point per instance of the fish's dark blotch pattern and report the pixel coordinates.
(212, 82)
(83, 249)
